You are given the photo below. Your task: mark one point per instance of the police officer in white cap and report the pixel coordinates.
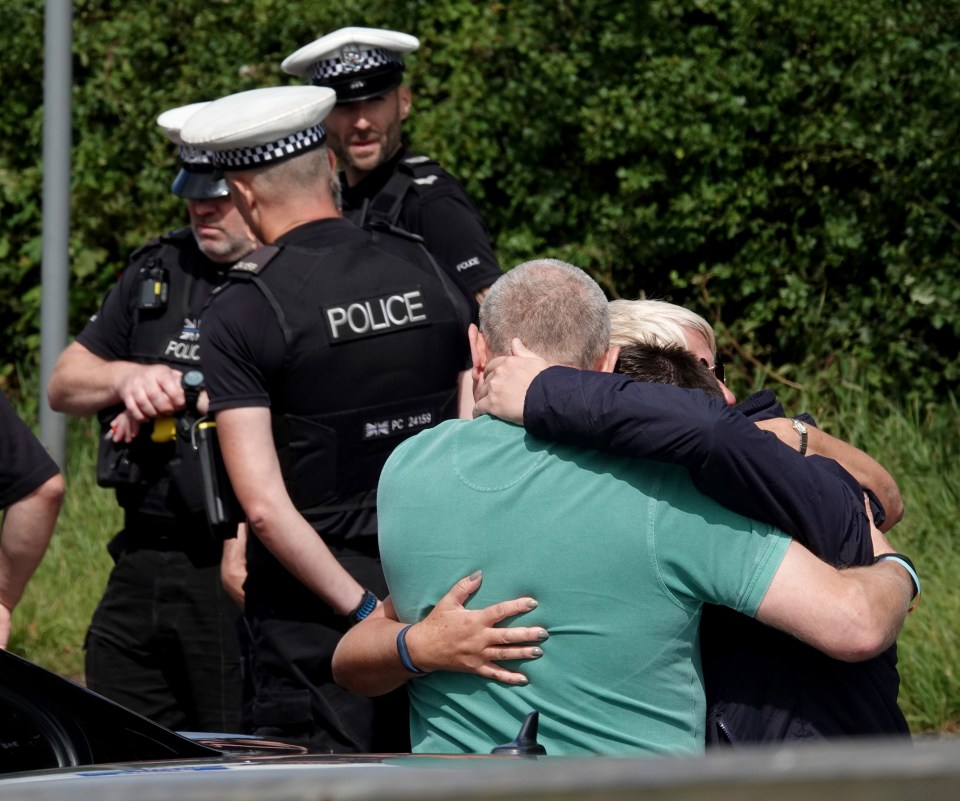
(384, 182)
(325, 350)
(163, 638)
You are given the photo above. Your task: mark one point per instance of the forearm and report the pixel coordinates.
(729, 458)
(870, 615)
(850, 615)
(233, 565)
(451, 638)
(613, 413)
(83, 383)
(250, 456)
(366, 660)
(302, 551)
(868, 472)
(27, 528)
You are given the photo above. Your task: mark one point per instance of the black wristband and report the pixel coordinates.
(367, 604)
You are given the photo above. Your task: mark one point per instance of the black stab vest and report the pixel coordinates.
(375, 339)
(178, 277)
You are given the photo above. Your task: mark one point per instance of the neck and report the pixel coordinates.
(281, 221)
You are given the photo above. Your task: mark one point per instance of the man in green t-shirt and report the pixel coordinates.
(619, 554)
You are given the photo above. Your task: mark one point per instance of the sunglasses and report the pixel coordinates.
(718, 368)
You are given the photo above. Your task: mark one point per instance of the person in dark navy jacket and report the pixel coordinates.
(762, 685)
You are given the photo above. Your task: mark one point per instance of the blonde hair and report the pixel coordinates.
(655, 322)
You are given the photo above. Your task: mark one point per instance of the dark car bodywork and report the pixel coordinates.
(60, 741)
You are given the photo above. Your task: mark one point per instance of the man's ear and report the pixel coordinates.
(478, 351)
(242, 196)
(608, 360)
(406, 100)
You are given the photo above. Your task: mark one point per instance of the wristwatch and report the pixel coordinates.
(801, 429)
(367, 604)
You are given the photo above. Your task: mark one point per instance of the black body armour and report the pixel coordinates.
(171, 286)
(384, 209)
(375, 339)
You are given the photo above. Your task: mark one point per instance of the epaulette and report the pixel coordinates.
(412, 172)
(254, 262)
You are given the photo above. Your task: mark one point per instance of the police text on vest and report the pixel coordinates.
(375, 316)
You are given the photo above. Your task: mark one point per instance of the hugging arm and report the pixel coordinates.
(367, 660)
(729, 458)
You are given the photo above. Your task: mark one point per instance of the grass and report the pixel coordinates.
(918, 445)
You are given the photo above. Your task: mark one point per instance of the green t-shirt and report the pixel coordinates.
(620, 554)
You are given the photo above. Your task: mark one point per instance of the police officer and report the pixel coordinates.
(386, 183)
(323, 352)
(31, 492)
(163, 638)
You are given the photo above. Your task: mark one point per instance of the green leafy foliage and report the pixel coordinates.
(787, 169)
(790, 170)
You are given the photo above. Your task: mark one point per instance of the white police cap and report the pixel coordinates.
(261, 126)
(196, 179)
(359, 63)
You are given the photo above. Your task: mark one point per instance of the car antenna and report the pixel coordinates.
(525, 744)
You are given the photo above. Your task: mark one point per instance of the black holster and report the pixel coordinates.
(201, 477)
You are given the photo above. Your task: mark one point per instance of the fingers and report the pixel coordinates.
(497, 672)
(152, 392)
(501, 611)
(462, 590)
(124, 427)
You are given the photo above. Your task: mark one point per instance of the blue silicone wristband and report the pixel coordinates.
(906, 564)
(405, 654)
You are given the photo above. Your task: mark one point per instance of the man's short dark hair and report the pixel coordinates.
(667, 364)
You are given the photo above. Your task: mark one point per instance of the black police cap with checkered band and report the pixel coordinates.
(359, 63)
(260, 127)
(197, 179)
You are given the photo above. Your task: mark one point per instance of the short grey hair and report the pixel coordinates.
(301, 175)
(554, 308)
(655, 322)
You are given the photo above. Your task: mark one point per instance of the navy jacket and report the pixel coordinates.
(762, 685)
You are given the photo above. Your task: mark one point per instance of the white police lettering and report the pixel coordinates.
(400, 424)
(466, 265)
(376, 316)
(184, 351)
(427, 180)
(187, 347)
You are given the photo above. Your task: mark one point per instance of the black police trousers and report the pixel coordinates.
(163, 639)
(289, 687)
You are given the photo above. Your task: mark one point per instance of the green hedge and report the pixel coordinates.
(788, 169)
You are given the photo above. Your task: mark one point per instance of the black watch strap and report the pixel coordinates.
(367, 604)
